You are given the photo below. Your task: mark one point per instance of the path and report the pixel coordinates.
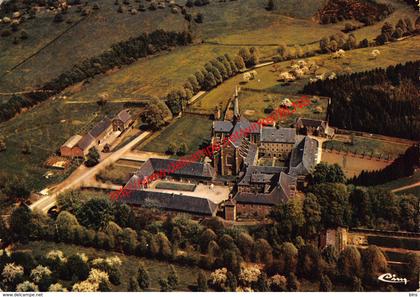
(142, 156)
(82, 174)
(417, 184)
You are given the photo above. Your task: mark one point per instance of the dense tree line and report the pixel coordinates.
(413, 3)
(403, 166)
(367, 12)
(122, 53)
(377, 101)
(404, 27)
(211, 75)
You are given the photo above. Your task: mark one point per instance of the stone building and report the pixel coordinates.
(122, 121)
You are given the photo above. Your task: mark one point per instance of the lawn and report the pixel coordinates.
(401, 182)
(116, 174)
(368, 146)
(352, 166)
(192, 130)
(175, 186)
(355, 61)
(157, 269)
(413, 191)
(253, 105)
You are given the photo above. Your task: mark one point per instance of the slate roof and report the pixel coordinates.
(222, 126)
(303, 157)
(257, 170)
(188, 169)
(86, 141)
(123, 116)
(252, 155)
(281, 135)
(100, 127)
(281, 193)
(239, 130)
(72, 141)
(172, 202)
(311, 122)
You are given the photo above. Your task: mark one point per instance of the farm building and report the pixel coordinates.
(313, 127)
(70, 148)
(122, 120)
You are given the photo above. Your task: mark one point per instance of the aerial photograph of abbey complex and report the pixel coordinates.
(209, 146)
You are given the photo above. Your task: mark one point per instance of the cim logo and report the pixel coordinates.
(392, 279)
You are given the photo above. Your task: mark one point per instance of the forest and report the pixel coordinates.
(403, 166)
(382, 101)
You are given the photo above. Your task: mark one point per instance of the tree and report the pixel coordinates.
(26, 148)
(20, 223)
(239, 62)
(164, 286)
(374, 262)
(153, 116)
(3, 146)
(4, 233)
(78, 267)
(325, 284)
(70, 201)
(349, 263)
(133, 285)
(202, 282)
(231, 281)
(288, 219)
(199, 18)
(264, 251)
(324, 44)
(143, 277)
(289, 254)
(356, 285)
(293, 284)
(92, 157)
(245, 54)
(270, 5)
(325, 173)
(334, 202)
(245, 244)
(182, 150)
(309, 262)
(172, 277)
(66, 223)
(96, 213)
(312, 214)
(262, 284)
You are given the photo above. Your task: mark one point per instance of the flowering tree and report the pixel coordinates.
(218, 278)
(249, 275)
(40, 272)
(27, 286)
(57, 287)
(11, 272)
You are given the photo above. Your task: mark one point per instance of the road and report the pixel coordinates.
(83, 174)
(417, 184)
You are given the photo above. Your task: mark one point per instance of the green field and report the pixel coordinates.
(115, 174)
(253, 104)
(368, 146)
(401, 182)
(187, 275)
(94, 34)
(192, 130)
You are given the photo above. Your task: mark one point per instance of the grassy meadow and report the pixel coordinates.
(190, 129)
(94, 34)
